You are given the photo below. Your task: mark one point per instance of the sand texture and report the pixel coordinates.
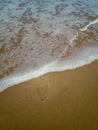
(56, 101)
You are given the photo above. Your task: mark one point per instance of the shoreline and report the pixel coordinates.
(13, 80)
(57, 100)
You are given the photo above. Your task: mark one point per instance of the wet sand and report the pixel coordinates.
(56, 101)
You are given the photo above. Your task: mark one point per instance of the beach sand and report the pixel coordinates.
(65, 100)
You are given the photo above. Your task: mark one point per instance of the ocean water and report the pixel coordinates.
(41, 36)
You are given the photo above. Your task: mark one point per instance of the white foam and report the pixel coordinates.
(62, 36)
(74, 38)
(84, 57)
(91, 23)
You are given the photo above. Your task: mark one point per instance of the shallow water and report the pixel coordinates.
(41, 36)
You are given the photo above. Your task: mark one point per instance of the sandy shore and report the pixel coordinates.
(56, 101)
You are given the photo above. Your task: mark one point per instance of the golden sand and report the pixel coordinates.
(56, 101)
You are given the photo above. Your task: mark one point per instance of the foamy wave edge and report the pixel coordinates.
(20, 78)
(55, 66)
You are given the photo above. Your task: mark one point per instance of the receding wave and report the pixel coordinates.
(37, 37)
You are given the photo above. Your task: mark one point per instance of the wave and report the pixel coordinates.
(37, 37)
(56, 66)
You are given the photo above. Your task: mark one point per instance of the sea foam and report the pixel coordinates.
(37, 37)
(91, 23)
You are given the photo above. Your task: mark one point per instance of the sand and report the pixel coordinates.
(65, 100)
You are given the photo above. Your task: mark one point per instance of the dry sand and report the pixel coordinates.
(56, 101)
